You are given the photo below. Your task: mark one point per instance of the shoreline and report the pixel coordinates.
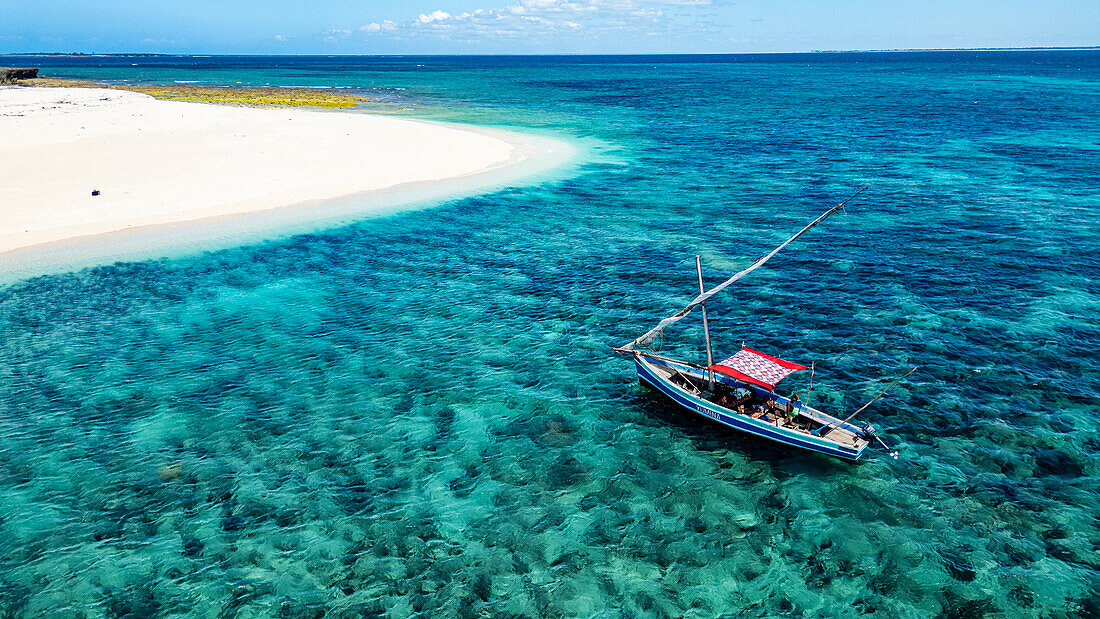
(198, 236)
(220, 175)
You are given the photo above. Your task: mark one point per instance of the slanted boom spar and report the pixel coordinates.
(704, 296)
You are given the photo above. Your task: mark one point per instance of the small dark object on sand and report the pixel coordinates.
(95, 192)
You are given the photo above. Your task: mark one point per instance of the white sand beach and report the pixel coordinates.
(159, 162)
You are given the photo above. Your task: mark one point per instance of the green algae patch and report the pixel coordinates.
(260, 97)
(311, 97)
(58, 82)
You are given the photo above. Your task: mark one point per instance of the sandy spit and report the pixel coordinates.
(158, 162)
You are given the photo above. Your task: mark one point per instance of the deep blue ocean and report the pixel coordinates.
(421, 414)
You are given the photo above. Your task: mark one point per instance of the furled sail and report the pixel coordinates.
(652, 333)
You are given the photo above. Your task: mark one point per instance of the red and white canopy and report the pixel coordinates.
(757, 368)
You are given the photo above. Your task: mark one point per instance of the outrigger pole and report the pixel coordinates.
(823, 430)
(706, 326)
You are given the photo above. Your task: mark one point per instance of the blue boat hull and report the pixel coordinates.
(743, 423)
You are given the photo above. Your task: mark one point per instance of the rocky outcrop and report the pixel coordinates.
(9, 75)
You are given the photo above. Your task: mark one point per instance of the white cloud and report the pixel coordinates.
(537, 17)
(382, 26)
(336, 34)
(434, 16)
(164, 42)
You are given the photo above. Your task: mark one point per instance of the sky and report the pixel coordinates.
(538, 26)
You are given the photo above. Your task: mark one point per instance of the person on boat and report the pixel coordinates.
(792, 407)
(743, 395)
(785, 414)
(772, 406)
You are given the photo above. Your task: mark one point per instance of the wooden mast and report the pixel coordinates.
(706, 326)
(806, 402)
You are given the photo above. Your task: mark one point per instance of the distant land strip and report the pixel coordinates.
(1037, 48)
(958, 49)
(255, 97)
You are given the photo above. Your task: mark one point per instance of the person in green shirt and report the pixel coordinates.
(793, 406)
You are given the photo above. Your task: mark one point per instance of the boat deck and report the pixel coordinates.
(807, 420)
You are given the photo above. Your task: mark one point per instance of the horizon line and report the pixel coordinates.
(623, 54)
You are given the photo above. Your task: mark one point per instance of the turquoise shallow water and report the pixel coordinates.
(421, 415)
